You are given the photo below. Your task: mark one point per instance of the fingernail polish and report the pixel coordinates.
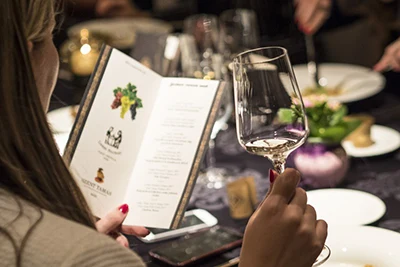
(271, 176)
(307, 30)
(124, 208)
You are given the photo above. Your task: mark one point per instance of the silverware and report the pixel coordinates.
(312, 62)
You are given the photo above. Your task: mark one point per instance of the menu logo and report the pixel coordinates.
(113, 140)
(100, 176)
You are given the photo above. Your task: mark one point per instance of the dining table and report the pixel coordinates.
(379, 175)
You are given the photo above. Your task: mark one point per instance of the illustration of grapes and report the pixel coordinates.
(127, 99)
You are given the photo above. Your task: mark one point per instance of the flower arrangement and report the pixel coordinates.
(326, 120)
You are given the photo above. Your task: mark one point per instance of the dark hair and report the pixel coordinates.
(30, 164)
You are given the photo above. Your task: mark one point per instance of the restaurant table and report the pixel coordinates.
(377, 175)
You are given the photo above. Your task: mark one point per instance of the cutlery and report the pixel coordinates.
(312, 62)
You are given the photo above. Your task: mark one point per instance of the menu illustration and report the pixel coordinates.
(139, 139)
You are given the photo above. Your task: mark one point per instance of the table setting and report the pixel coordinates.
(333, 122)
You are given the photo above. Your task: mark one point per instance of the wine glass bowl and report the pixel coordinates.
(270, 114)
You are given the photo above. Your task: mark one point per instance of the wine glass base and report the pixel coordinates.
(213, 178)
(323, 257)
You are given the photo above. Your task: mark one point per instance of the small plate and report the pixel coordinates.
(346, 206)
(61, 120)
(122, 31)
(358, 246)
(386, 140)
(357, 82)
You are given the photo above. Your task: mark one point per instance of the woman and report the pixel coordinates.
(44, 219)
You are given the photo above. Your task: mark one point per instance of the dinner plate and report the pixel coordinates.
(346, 206)
(362, 246)
(122, 30)
(61, 120)
(357, 82)
(386, 140)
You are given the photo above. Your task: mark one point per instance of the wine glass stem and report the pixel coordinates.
(210, 155)
(279, 165)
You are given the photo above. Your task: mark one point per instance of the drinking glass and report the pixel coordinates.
(205, 31)
(207, 63)
(239, 31)
(270, 114)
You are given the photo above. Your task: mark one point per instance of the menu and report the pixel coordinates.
(139, 139)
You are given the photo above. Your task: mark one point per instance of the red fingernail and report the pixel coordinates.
(271, 176)
(124, 208)
(306, 30)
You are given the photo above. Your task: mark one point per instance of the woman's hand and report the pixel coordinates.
(312, 14)
(283, 231)
(111, 225)
(390, 59)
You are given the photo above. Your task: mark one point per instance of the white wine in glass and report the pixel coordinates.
(270, 114)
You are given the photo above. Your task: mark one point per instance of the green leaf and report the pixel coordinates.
(118, 89)
(139, 103)
(337, 117)
(286, 115)
(130, 87)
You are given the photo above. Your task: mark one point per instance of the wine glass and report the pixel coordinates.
(205, 31)
(208, 64)
(270, 114)
(239, 31)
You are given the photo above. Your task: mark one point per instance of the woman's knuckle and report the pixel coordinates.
(306, 233)
(271, 207)
(316, 246)
(293, 218)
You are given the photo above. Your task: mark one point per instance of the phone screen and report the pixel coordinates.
(187, 221)
(198, 245)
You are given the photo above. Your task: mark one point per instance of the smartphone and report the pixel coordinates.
(193, 221)
(193, 248)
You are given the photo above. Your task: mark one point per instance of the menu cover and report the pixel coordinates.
(139, 139)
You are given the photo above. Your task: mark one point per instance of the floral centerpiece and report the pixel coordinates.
(326, 120)
(322, 160)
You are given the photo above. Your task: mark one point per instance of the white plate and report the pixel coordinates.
(356, 246)
(386, 140)
(346, 206)
(122, 30)
(360, 82)
(61, 120)
(61, 141)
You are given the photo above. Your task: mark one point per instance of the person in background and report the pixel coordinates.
(379, 41)
(390, 59)
(310, 15)
(44, 218)
(108, 8)
(391, 56)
